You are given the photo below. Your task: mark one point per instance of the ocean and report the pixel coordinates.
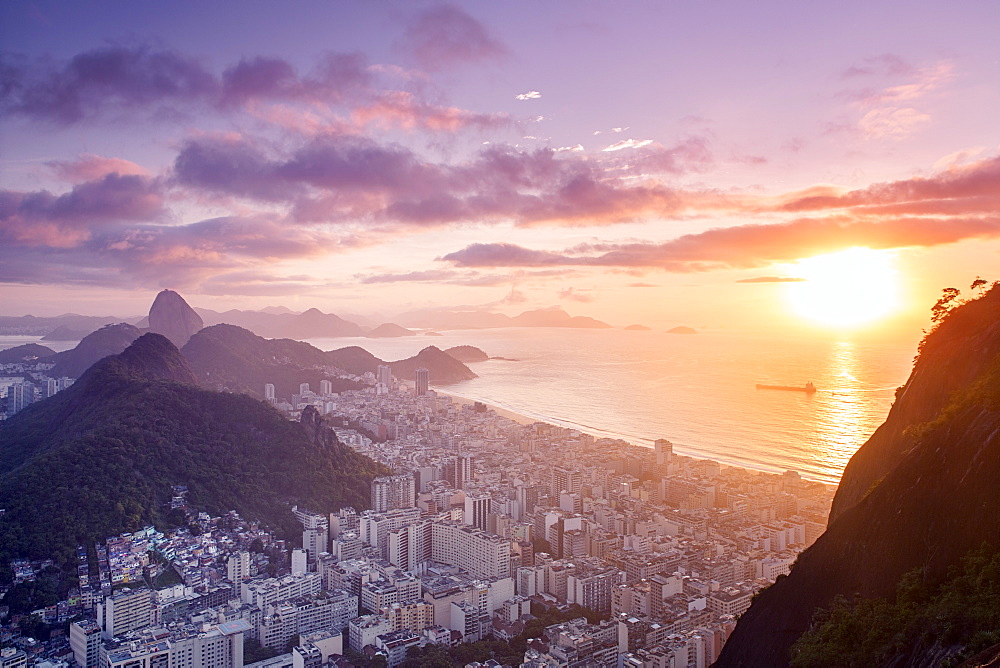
(697, 390)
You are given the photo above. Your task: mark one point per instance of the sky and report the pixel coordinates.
(660, 163)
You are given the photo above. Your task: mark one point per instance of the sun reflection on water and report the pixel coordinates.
(843, 429)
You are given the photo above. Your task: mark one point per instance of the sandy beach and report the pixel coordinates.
(465, 401)
(503, 412)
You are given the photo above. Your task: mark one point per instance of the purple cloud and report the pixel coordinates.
(339, 176)
(110, 77)
(446, 35)
(41, 218)
(338, 77)
(230, 166)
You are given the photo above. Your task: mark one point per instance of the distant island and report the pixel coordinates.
(682, 330)
(638, 328)
(389, 330)
(467, 354)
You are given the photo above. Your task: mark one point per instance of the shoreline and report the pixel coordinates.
(522, 419)
(502, 412)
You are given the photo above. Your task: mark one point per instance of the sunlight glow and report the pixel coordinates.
(852, 287)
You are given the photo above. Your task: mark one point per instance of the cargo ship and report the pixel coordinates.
(808, 388)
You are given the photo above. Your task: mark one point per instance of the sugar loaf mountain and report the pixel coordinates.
(908, 570)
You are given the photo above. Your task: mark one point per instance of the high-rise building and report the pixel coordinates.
(269, 392)
(13, 658)
(664, 451)
(19, 396)
(299, 562)
(54, 385)
(422, 379)
(459, 470)
(564, 480)
(383, 379)
(477, 507)
(315, 532)
(238, 567)
(85, 641)
(325, 388)
(396, 491)
(125, 610)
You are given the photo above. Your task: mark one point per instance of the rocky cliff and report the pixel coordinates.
(171, 316)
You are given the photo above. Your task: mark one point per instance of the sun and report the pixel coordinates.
(853, 287)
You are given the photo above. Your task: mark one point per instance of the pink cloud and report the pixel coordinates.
(892, 112)
(94, 167)
(743, 247)
(771, 279)
(431, 275)
(575, 295)
(404, 110)
(41, 218)
(886, 64)
(893, 122)
(971, 188)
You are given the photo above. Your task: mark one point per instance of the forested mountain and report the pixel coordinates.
(100, 457)
(28, 352)
(311, 324)
(108, 340)
(226, 357)
(441, 367)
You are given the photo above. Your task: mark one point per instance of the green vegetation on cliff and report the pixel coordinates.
(955, 620)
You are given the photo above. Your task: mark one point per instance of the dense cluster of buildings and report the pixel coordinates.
(484, 523)
(24, 383)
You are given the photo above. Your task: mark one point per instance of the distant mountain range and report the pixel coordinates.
(62, 325)
(311, 324)
(279, 322)
(456, 319)
(233, 358)
(100, 457)
(389, 330)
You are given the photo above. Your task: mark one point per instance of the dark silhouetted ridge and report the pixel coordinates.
(108, 340)
(26, 353)
(442, 367)
(227, 357)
